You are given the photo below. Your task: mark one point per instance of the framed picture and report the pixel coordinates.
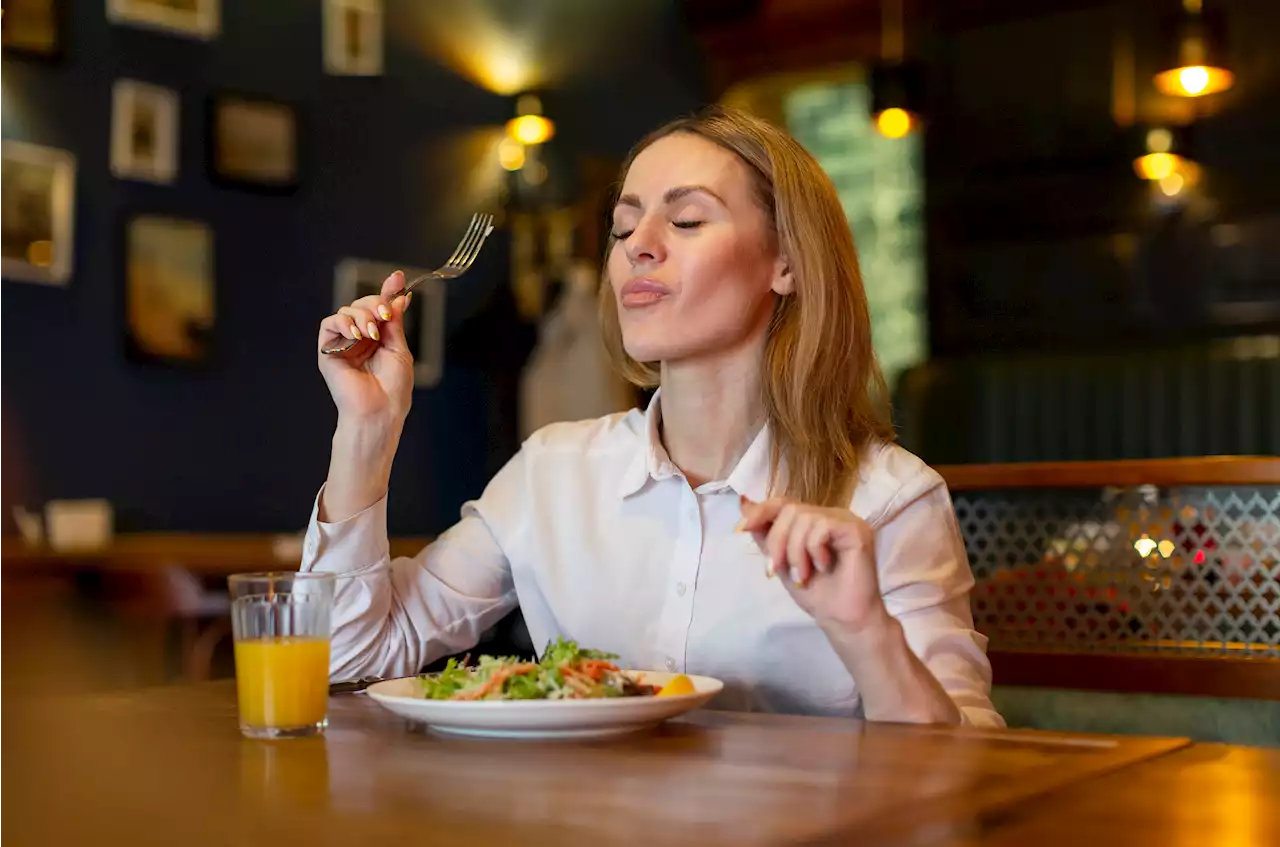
(253, 143)
(353, 37)
(423, 323)
(33, 27)
(169, 289)
(38, 209)
(191, 18)
(144, 132)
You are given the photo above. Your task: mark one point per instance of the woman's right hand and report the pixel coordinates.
(372, 383)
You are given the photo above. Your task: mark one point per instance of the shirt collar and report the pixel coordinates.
(651, 462)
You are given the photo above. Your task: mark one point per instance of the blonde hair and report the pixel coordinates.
(823, 393)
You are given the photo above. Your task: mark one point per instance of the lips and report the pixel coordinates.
(642, 291)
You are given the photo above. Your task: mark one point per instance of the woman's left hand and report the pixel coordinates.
(824, 556)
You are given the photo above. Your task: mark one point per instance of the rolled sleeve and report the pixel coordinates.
(393, 616)
(926, 580)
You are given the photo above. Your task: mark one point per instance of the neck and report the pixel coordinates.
(711, 412)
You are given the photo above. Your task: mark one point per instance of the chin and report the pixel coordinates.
(655, 350)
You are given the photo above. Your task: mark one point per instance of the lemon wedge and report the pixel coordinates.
(679, 684)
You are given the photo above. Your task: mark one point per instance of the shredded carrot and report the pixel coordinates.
(494, 682)
(596, 668)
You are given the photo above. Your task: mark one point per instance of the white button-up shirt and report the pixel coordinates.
(599, 538)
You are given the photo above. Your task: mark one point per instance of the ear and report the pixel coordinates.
(783, 282)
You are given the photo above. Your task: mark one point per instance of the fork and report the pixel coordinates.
(459, 263)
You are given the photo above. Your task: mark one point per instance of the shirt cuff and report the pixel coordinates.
(351, 546)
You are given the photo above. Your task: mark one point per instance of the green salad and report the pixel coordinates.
(565, 672)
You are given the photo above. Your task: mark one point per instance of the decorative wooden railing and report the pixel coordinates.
(1153, 575)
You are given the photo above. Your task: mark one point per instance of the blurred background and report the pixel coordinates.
(1067, 212)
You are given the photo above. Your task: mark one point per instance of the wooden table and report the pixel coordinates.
(1208, 794)
(168, 765)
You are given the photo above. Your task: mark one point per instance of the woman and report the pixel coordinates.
(733, 285)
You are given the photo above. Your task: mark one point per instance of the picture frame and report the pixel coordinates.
(144, 132)
(424, 321)
(37, 213)
(253, 143)
(33, 28)
(353, 37)
(170, 289)
(200, 19)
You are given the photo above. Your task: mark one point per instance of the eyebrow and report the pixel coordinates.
(672, 195)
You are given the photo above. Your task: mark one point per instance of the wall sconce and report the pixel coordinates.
(1194, 64)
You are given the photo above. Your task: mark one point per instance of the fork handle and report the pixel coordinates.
(347, 343)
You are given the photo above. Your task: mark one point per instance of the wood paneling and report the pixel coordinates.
(1201, 676)
(1209, 470)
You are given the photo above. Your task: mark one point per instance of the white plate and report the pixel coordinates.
(545, 719)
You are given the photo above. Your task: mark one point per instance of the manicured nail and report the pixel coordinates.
(385, 312)
(408, 298)
(355, 332)
(740, 525)
(373, 331)
(796, 577)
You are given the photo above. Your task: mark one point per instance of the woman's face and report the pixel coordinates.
(694, 268)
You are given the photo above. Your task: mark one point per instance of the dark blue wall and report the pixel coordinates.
(242, 444)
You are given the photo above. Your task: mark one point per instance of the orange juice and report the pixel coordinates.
(283, 682)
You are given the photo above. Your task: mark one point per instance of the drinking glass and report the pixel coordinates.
(281, 625)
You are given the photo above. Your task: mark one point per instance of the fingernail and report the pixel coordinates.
(740, 525)
(408, 298)
(385, 312)
(796, 577)
(373, 331)
(355, 331)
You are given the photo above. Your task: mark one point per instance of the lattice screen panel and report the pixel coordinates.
(1182, 569)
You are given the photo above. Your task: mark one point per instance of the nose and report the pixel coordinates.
(645, 246)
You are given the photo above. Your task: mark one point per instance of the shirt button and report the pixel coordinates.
(680, 588)
(671, 664)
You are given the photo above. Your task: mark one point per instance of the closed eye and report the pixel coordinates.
(623, 236)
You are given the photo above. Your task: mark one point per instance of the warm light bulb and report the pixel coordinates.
(1156, 165)
(1159, 140)
(511, 154)
(530, 129)
(894, 122)
(1171, 186)
(1194, 80)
